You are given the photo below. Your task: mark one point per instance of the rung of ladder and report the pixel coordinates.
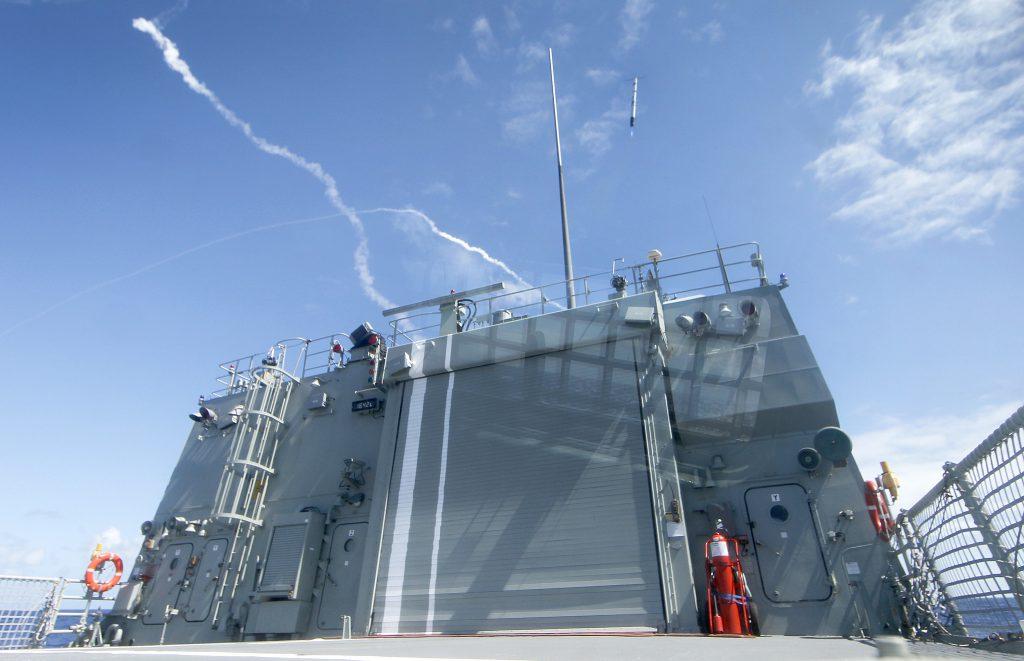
(265, 414)
(254, 464)
(239, 517)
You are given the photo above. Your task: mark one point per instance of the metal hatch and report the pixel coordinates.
(790, 559)
(165, 588)
(204, 584)
(341, 581)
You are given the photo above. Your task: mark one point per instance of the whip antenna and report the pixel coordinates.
(718, 248)
(570, 289)
(710, 222)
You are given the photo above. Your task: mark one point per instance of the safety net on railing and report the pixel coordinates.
(961, 546)
(25, 605)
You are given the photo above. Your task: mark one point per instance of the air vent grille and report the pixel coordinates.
(284, 557)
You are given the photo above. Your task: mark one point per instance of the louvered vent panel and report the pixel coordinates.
(283, 558)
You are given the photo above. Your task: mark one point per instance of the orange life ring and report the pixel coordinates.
(878, 510)
(99, 561)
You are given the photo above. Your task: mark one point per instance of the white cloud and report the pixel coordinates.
(917, 447)
(443, 25)
(438, 188)
(19, 556)
(512, 23)
(562, 36)
(34, 557)
(852, 299)
(602, 76)
(595, 135)
(634, 22)
(527, 110)
(530, 55)
(932, 144)
(523, 126)
(463, 71)
(483, 35)
(109, 538)
(711, 32)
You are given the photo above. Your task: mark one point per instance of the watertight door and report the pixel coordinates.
(790, 560)
(204, 584)
(165, 588)
(341, 583)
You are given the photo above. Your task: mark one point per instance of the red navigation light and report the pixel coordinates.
(336, 348)
(373, 338)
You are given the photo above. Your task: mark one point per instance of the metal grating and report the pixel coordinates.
(283, 558)
(961, 546)
(24, 610)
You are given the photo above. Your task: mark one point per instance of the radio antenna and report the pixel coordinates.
(718, 248)
(570, 289)
(710, 222)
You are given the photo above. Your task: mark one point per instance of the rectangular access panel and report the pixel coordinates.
(520, 500)
(790, 559)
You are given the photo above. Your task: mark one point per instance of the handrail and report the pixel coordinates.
(39, 601)
(645, 276)
(239, 373)
(317, 355)
(964, 539)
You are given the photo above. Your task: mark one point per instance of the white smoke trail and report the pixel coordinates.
(529, 295)
(362, 252)
(158, 263)
(462, 243)
(163, 18)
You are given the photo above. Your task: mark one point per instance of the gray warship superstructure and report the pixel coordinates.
(519, 466)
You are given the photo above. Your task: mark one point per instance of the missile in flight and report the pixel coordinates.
(632, 111)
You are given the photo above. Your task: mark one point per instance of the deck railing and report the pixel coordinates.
(707, 271)
(298, 356)
(47, 612)
(961, 547)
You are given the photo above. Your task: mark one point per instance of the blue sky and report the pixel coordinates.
(874, 149)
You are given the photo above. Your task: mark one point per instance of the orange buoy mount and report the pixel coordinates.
(97, 562)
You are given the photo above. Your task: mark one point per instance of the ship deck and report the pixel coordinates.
(548, 647)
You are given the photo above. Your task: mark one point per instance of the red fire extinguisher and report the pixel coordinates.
(727, 593)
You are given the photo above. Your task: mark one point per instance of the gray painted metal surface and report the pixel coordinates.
(520, 500)
(536, 648)
(559, 471)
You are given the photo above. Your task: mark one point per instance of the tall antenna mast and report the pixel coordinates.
(570, 289)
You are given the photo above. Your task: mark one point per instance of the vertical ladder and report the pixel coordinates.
(250, 465)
